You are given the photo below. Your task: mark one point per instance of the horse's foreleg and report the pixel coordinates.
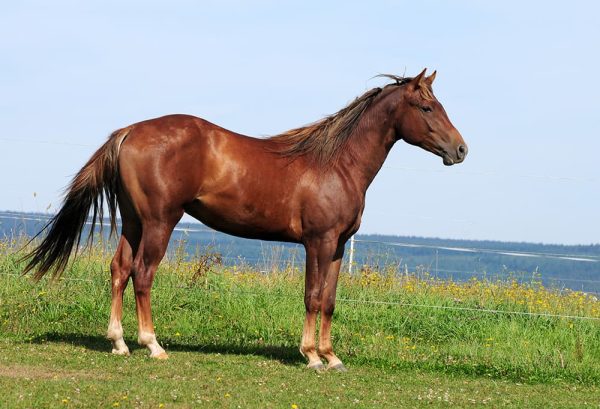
(312, 302)
(120, 269)
(328, 294)
(151, 251)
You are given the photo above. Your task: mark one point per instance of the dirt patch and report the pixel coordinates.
(37, 372)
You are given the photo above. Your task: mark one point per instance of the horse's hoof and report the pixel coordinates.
(317, 366)
(121, 352)
(338, 367)
(161, 355)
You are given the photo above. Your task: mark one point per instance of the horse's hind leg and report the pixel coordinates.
(155, 238)
(120, 269)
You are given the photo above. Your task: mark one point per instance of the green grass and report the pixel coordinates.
(81, 372)
(233, 336)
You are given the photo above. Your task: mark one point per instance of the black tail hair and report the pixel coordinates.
(94, 184)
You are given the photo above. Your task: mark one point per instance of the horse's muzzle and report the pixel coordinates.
(458, 156)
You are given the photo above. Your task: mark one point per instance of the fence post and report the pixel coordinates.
(351, 258)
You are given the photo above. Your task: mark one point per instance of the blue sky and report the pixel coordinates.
(518, 79)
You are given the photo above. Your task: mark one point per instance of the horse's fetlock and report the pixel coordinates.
(146, 338)
(115, 331)
(325, 350)
(307, 349)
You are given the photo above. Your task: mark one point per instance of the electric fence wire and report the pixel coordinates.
(371, 302)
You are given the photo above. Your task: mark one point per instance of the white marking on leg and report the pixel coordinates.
(115, 334)
(148, 340)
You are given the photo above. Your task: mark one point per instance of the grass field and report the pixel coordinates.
(233, 334)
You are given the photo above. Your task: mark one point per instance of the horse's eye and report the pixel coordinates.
(426, 109)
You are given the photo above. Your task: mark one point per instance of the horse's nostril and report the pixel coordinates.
(462, 151)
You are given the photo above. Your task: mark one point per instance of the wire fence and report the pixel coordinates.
(356, 242)
(361, 301)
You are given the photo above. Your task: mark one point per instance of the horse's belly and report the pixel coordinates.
(245, 220)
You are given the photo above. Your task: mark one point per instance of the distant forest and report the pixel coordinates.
(443, 258)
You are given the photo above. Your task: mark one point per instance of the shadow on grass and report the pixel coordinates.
(285, 355)
(291, 356)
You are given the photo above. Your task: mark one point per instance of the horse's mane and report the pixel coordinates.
(322, 141)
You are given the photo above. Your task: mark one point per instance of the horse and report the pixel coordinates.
(306, 185)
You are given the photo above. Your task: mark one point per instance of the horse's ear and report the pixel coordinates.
(418, 80)
(429, 80)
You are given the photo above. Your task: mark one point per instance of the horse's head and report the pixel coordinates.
(422, 121)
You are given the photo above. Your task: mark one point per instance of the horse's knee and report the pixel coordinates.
(312, 302)
(328, 309)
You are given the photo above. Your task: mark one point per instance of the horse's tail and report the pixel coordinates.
(95, 183)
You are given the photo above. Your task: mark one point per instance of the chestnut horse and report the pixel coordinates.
(305, 186)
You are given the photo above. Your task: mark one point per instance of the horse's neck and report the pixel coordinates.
(368, 148)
